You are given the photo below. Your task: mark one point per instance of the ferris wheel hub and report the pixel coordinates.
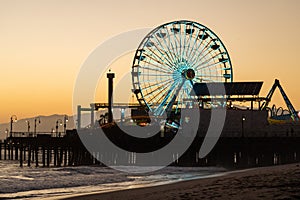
(189, 74)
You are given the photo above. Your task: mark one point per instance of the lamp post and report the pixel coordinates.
(243, 120)
(56, 127)
(28, 126)
(13, 119)
(37, 119)
(66, 119)
(6, 131)
(52, 132)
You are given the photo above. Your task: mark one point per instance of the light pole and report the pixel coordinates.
(243, 120)
(56, 127)
(28, 126)
(37, 119)
(6, 131)
(66, 119)
(13, 119)
(52, 132)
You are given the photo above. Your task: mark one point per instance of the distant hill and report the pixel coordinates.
(47, 123)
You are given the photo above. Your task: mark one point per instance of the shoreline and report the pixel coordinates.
(274, 182)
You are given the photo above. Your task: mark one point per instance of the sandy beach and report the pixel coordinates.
(276, 182)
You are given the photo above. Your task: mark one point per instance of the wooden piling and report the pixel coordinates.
(16, 152)
(11, 151)
(48, 157)
(43, 156)
(32, 154)
(21, 156)
(5, 150)
(24, 153)
(60, 156)
(65, 157)
(36, 156)
(29, 156)
(55, 157)
(8, 151)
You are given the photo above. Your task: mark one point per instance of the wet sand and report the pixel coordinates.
(276, 182)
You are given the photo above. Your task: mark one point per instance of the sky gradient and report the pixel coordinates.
(44, 43)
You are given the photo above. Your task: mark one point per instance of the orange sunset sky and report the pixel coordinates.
(44, 43)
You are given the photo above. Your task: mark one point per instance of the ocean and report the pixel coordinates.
(59, 182)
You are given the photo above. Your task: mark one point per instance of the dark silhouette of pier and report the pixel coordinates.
(256, 147)
(45, 150)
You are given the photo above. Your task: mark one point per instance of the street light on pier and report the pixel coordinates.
(6, 131)
(243, 120)
(66, 119)
(28, 126)
(37, 119)
(59, 121)
(52, 132)
(13, 119)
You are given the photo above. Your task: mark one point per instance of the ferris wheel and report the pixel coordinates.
(171, 58)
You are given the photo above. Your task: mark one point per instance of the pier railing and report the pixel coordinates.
(36, 134)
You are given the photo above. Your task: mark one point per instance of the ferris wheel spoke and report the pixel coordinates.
(155, 74)
(198, 46)
(207, 61)
(195, 41)
(156, 66)
(158, 57)
(159, 63)
(177, 48)
(211, 65)
(162, 92)
(159, 83)
(184, 40)
(206, 53)
(175, 54)
(180, 43)
(177, 44)
(209, 52)
(155, 69)
(210, 76)
(189, 40)
(164, 83)
(216, 69)
(203, 49)
(144, 81)
(157, 95)
(169, 50)
(163, 49)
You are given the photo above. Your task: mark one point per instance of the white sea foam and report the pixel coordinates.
(38, 183)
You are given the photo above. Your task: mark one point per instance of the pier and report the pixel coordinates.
(45, 150)
(48, 150)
